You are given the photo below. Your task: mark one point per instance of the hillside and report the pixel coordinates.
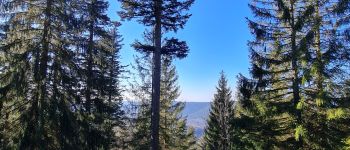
(197, 113)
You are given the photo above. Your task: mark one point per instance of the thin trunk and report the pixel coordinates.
(112, 66)
(319, 76)
(111, 76)
(42, 74)
(156, 76)
(89, 74)
(89, 59)
(296, 87)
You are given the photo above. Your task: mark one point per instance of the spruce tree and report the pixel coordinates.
(323, 68)
(281, 40)
(178, 136)
(110, 87)
(163, 16)
(35, 37)
(99, 90)
(338, 113)
(174, 132)
(217, 134)
(42, 76)
(141, 90)
(293, 63)
(251, 128)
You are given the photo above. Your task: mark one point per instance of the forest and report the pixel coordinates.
(62, 83)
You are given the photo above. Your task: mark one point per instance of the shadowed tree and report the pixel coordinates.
(99, 45)
(41, 75)
(34, 50)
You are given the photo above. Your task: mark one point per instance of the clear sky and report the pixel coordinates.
(217, 34)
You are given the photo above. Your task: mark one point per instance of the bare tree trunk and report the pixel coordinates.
(156, 76)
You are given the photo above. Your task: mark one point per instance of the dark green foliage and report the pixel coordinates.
(276, 57)
(34, 40)
(295, 74)
(100, 68)
(218, 133)
(143, 11)
(41, 76)
(323, 70)
(252, 129)
(172, 48)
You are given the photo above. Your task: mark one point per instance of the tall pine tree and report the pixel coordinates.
(163, 16)
(100, 95)
(36, 57)
(42, 77)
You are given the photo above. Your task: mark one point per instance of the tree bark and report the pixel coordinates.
(156, 76)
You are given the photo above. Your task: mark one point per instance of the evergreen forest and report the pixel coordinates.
(64, 83)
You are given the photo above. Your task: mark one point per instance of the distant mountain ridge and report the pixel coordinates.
(197, 114)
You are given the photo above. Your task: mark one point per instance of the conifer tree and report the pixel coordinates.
(292, 57)
(174, 132)
(251, 128)
(217, 134)
(41, 76)
(110, 87)
(100, 96)
(162, 16)
(142, 92)
(322, 69)
(35, 38)
(281, 41)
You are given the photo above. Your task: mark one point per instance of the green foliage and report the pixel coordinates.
(174, 133)
(217, 134)
(43, 76)
(143, 12)
(337, 113)
(299, 132)
(295, 70)
(301, 104)
(347, 142)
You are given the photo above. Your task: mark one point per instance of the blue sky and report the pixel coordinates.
(217, 34)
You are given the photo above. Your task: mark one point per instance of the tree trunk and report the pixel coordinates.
(89, 59)
(156, 76)
(319, 76)
(295, 86)
(42, 75)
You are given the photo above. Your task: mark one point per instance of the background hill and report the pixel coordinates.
(197, 113)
